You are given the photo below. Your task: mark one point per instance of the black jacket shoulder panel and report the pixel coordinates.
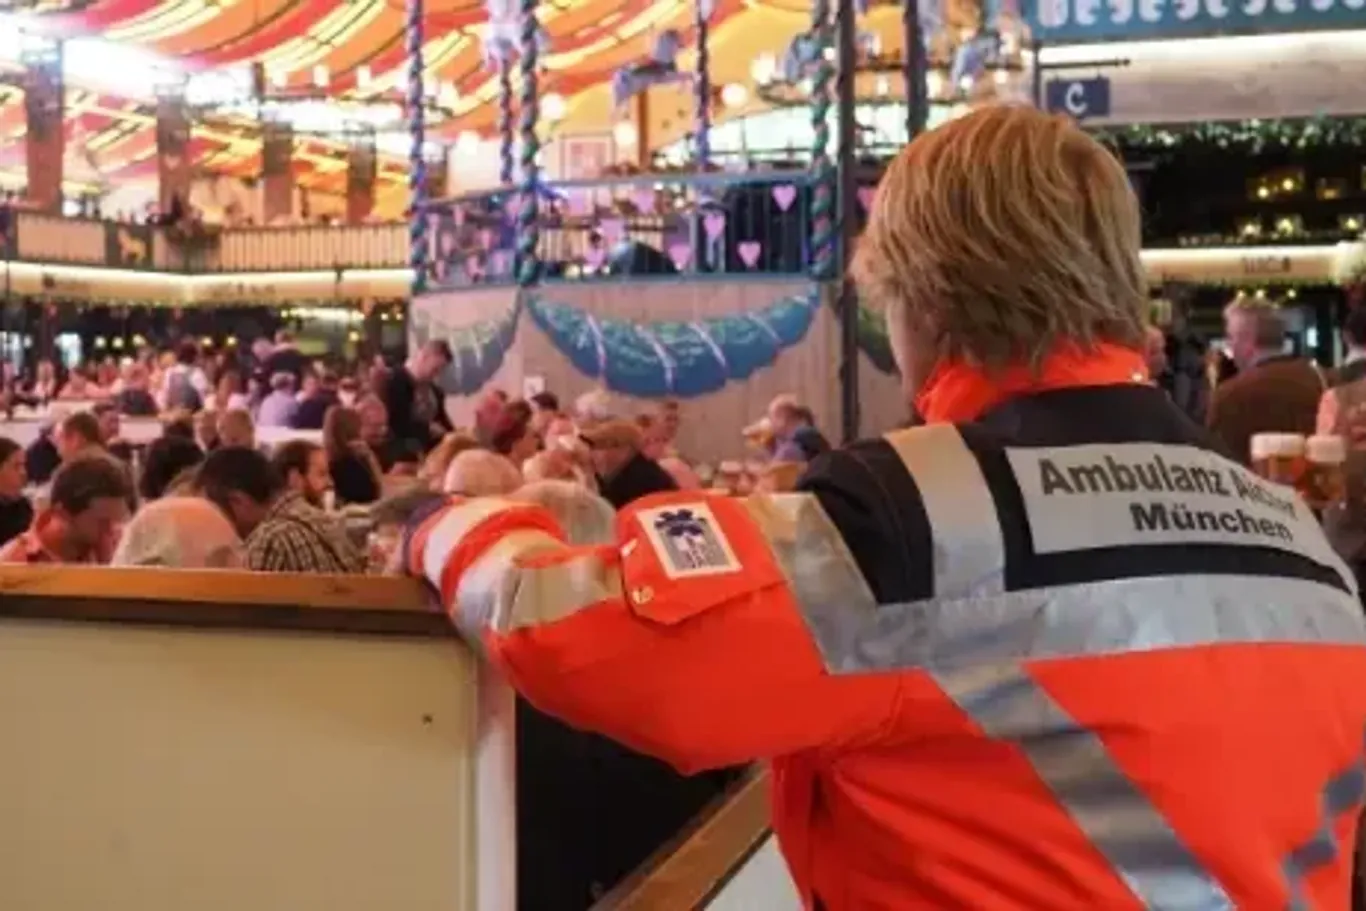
(876, 507)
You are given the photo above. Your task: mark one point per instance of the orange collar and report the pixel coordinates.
(956, 391)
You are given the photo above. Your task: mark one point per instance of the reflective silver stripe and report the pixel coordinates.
(821, 573)
(1343, 793)
(969, 555)
(1109, 808)
(453, 525)
(1111, 617)
(496, 594)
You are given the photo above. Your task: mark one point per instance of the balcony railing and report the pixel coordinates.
(654, 226)
(40, 238)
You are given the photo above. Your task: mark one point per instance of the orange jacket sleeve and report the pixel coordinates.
(689, 639)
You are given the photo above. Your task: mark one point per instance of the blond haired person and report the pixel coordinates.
(1049, 650)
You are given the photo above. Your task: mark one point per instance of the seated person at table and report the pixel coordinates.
(135, 399)
(167, 459)
(303, 468)
(180, 533)
(235, 429)
(87, 506)
(16, 512)
(284, 534)
(79, 435)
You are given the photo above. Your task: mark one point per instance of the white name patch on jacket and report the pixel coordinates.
(688, 540)
(1127, 494)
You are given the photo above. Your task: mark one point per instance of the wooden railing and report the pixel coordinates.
(696, 869)
(222, 741)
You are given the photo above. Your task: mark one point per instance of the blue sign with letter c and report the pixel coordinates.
(1080, 99)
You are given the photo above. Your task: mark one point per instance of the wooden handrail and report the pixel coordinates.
(691, 870)
(353, 604)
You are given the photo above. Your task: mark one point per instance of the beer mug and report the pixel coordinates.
(1278, 457)
(1323, 482)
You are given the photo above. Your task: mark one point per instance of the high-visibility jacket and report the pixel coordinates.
(1062, 656)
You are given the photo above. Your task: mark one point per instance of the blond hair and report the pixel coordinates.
(1268, 325)
(1002, 233)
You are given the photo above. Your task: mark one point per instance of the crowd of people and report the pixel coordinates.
(308, 502)
(205, 494)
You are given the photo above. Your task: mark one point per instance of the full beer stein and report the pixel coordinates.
(1323, 482)
(1278, 457)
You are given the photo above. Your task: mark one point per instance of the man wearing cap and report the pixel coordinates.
(625, 473)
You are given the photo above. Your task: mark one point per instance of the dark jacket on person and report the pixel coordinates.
(41, 459)
(1278, 395)
(409, 421)
(352, 479)
(312, 410)
(15, 518)
(639, 477)
(287, 359)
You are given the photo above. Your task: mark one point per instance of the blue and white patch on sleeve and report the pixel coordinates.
(688, 540)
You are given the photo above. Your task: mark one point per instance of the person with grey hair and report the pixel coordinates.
(586, 518)
(179, 533)
(1274, 392)
(281, 405)
(480, 473)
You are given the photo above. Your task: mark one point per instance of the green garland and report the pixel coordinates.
(1254, 136)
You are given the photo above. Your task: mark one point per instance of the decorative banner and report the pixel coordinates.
(749, 251)
(277, 171)
(174, 172)
(45, 138)
(784, 194)
(680, 254)
(714, 223)
(1063, 21)
(362, 171)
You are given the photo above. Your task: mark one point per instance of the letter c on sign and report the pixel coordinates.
(1075, 99)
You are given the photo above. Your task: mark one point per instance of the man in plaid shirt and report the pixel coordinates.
(283, 532)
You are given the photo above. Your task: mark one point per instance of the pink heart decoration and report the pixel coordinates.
(458, 215)
(714, 223)
(644, 200)
(486, 238)
(681, 254)
(749, 251)
(499, 260)
(865, 198)
(595, 256)
(784, 194)
(612, 230)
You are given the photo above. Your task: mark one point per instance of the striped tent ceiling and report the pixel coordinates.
(358, 44)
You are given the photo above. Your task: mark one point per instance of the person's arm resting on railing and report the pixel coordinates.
(685, 640)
